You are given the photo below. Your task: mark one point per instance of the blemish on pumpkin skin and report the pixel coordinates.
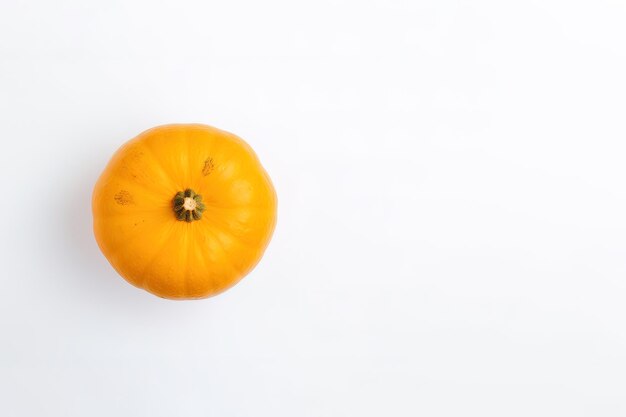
(123, 198)
(209, 166)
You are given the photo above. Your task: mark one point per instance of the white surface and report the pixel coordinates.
(452, 229)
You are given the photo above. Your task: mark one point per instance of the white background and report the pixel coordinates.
(452, 208)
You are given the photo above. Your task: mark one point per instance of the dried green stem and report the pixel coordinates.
(188, 205)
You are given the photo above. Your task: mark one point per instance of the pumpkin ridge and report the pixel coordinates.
(224, 229)
(156, 255)
(125, 245)
(221, 245)
(159, 165)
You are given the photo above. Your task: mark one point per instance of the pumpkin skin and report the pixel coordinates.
(147, 242)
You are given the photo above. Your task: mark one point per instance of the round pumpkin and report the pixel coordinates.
(184, 211)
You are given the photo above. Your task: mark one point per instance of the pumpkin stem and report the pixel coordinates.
(188, 205)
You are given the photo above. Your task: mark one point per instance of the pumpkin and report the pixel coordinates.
(184, 211)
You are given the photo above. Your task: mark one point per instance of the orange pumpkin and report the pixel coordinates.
(184, 211)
